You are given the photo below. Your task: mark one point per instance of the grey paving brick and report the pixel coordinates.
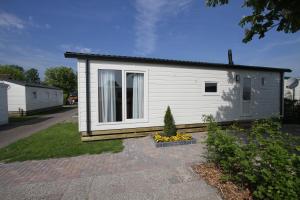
(141, 171)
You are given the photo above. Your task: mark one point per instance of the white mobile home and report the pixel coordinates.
(123, 96)
(27, 98)
(291, 93)
(3, 104)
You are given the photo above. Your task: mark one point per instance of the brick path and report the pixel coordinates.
(141, 171)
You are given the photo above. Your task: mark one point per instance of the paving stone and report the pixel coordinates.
(141, 171)
(78, 189)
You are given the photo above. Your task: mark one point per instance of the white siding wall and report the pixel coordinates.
(16, 97)
(288, 93)
(183, 89)
(81, 95)
(3, 104)
(45, 98)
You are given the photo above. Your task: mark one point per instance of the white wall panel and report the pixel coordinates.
(182, 88)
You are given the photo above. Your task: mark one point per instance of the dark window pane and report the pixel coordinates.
(247, 89)
(262, 81)
(129, 91)
(135, 95)
(210, 87)
(110, 95)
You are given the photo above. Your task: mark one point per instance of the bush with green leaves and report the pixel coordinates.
(267, 161)
(169, 127)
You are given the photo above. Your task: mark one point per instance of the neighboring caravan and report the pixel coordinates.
(122, 96)
(3, 104)
(292, 94)
(27, 98)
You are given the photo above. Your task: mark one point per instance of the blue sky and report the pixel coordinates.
(37, 33)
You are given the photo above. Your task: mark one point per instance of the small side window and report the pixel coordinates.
(263, 81)
(211, 87)
(34, 94)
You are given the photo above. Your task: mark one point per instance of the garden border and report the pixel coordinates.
(176, 143)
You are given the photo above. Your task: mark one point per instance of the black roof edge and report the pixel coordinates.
(167, 61)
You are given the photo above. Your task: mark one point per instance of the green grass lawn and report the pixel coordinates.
(60, 140)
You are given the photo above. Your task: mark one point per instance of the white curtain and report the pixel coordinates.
(107, 95)
(138, 96)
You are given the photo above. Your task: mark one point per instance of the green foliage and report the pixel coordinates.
(169, 128)
(32, 76)
(16, 72)
(60, 140)
(13, 71)
(65, 98)
(268, 163)
(62, 77)
(291, 111)
(268, 14)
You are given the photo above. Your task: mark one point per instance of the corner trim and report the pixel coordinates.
(87, 85)
(281, 94)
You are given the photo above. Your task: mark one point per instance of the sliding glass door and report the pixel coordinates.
(110, 95)
(114, 98)
(135, 95)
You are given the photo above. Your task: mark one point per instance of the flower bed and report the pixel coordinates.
(178, 139)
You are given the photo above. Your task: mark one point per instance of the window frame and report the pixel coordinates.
(98, 97)
(35, 95)
(217, 93)
(125, 103)
(261, 81)
(124, 71)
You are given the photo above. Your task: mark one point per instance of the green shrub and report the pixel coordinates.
(169, 127)
(65, 98)
(267, 163)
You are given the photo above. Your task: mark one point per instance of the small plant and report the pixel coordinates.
(169, 127)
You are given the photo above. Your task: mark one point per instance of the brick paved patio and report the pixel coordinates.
(141, 171)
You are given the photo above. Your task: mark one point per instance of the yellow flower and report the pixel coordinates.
(179, 137)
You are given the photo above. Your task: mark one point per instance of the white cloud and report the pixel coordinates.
(68, 47)
(11, 21)
(281, 43)
(32, 23)
(149, 14)
(29, 56)
(47, 26)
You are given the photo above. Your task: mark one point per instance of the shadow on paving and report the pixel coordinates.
(15, 122)
(57, 110)
(32, 121)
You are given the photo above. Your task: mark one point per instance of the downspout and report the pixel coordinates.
(88, 97)
(281, 95)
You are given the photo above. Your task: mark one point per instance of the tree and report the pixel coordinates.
(169, 127)
(14, 72)
(284, 15)
(32, 76)
(62, 77)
